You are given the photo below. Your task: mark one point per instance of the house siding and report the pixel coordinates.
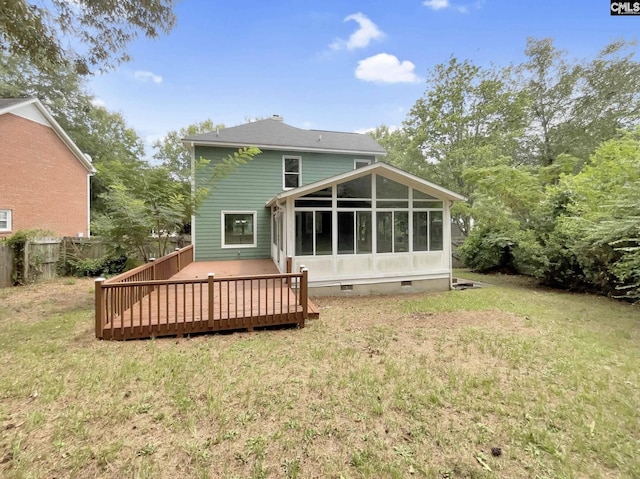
(41, 181)
(248, 189)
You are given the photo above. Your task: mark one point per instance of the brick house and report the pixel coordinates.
(44, 177)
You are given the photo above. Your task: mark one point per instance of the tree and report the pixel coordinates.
(400, 151)
(575, 106)
(581, 232)
(152, 204)
(116, 149)
(59, 88)
(102, 28)
(177, 159)
(468, 118)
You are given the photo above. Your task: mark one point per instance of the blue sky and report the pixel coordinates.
(334, 65)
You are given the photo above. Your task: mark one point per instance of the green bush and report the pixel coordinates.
(487, 250)
(105, 265)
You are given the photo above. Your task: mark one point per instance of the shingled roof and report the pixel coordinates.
(274, 134)
(7, 102)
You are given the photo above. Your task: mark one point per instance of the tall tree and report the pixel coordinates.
(102, 28)
(173, 155)
(469, 117)
(400, 151)
(171, 152)
(60, 88)
(575, 106)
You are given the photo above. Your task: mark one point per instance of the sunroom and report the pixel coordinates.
(373, 229)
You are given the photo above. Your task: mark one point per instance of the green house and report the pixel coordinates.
(324, 199)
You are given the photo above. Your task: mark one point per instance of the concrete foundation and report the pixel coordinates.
(388, 287)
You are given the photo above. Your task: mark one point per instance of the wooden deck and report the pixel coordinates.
(181, 304)
(244, 267)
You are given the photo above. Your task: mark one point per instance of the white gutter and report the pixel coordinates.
(287, 148)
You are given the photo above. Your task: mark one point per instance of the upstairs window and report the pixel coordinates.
(5, 220)
(358, 163)
(291, 171)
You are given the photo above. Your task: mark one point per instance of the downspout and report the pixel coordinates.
(88, 205)
(89, 175)
(193, 193)
(450, 245)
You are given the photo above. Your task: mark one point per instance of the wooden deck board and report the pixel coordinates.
(183, 308)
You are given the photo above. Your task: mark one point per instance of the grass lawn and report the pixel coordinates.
(396, 386)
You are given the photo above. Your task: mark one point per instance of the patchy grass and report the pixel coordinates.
(404, 386)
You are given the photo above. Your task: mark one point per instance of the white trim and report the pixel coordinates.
(301, 149)
(192, 151)
(8, 220)
(284, 173)
(386, 170)
(367, 162)
(222, 229)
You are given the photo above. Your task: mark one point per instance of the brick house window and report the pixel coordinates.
(5, 220)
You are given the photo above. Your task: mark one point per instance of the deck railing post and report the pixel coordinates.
(153, 267)
(289, 268)
(178, 258)
(210, 278)
(304, 294)
(99, 307)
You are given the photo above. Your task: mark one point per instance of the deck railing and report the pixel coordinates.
(162, 268)
(136, 308)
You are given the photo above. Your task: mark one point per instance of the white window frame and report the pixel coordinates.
(362, 161)
(8, 228)
(284, 173)
(223, 232)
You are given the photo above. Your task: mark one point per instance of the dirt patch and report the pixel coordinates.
(492, 320)
(33, 302)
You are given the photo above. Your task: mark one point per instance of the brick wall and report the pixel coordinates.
(41, 181)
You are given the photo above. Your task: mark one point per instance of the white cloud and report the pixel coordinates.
(97, 102)
(436, 4)
(363, 131)
(442, 4)
(385, 68)
(362, 36)
(144, 77)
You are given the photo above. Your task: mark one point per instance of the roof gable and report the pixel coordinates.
(275, 134)
(383, 169)
(33, 110)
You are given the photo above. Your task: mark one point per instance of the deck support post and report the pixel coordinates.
(304, 294)
(99, 305)
(210, 278)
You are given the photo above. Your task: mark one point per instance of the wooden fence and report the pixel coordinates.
(41, 259)
(145, 302)
(46, 258)
(6, 266)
